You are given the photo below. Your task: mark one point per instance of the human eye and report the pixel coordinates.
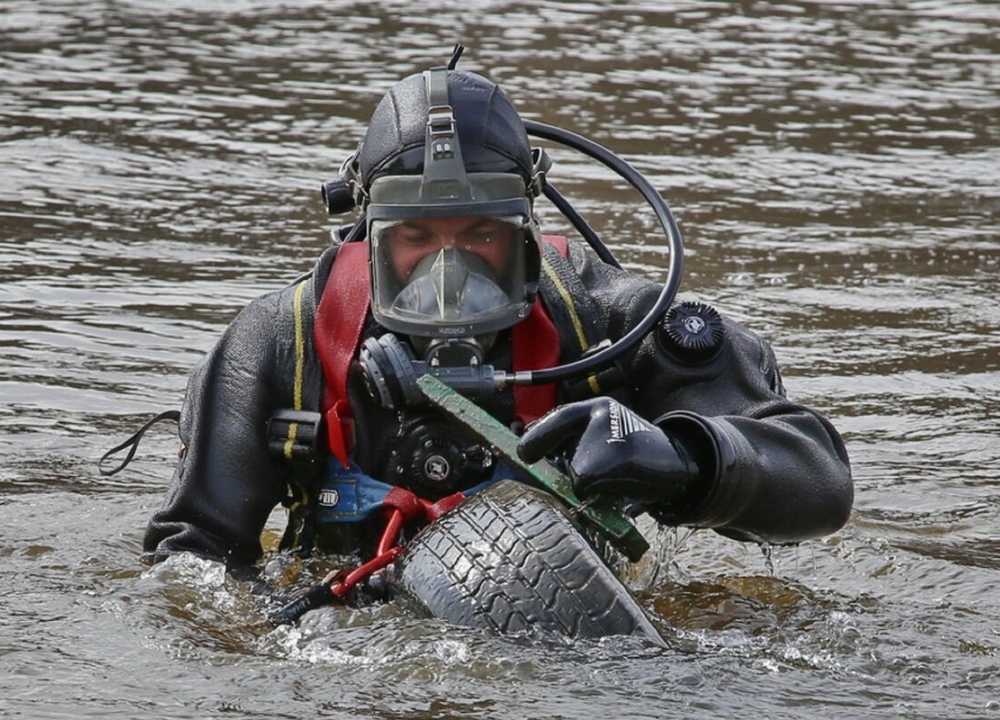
(409, 235)
(481, 234)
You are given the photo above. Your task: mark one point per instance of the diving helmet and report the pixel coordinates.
(446, 179)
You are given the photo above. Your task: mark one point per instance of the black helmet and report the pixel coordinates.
(445, 145)
(490, 131)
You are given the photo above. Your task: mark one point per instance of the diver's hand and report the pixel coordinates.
(612, 450)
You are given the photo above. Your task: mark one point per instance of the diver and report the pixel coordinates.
(306, 400)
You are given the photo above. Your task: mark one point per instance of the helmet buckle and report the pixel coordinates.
(441, 122)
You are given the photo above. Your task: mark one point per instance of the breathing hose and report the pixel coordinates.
(603, 358)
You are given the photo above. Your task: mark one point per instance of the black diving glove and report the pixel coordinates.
(612, 450)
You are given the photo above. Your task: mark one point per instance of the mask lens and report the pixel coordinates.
(449, 276)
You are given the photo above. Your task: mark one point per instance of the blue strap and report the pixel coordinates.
(349, 495)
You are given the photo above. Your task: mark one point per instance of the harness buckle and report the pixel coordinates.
(294, 435)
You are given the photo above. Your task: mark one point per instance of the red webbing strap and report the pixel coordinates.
(336, 332)
(536, 346)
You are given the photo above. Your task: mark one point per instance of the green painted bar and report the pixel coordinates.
(602, 516)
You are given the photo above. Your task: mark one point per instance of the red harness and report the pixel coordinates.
(340, 319)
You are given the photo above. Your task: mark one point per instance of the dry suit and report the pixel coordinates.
(775, 471)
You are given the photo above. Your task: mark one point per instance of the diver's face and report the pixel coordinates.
(411, 241)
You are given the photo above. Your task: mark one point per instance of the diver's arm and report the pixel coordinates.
(771, 470)
(225, 485)
(775, 471)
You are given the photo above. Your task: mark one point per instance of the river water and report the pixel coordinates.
(834, 170)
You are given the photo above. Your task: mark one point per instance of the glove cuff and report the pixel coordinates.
(694, 437)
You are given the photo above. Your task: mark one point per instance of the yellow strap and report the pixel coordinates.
(300, 345)
(300, 363)
(573, 316)
(293, 431)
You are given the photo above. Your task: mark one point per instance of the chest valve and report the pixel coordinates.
(692, 332)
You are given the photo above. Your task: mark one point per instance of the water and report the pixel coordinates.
(833, 167)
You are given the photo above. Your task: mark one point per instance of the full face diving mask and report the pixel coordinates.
(454, 253)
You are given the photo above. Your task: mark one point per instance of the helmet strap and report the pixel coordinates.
(444, 178)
